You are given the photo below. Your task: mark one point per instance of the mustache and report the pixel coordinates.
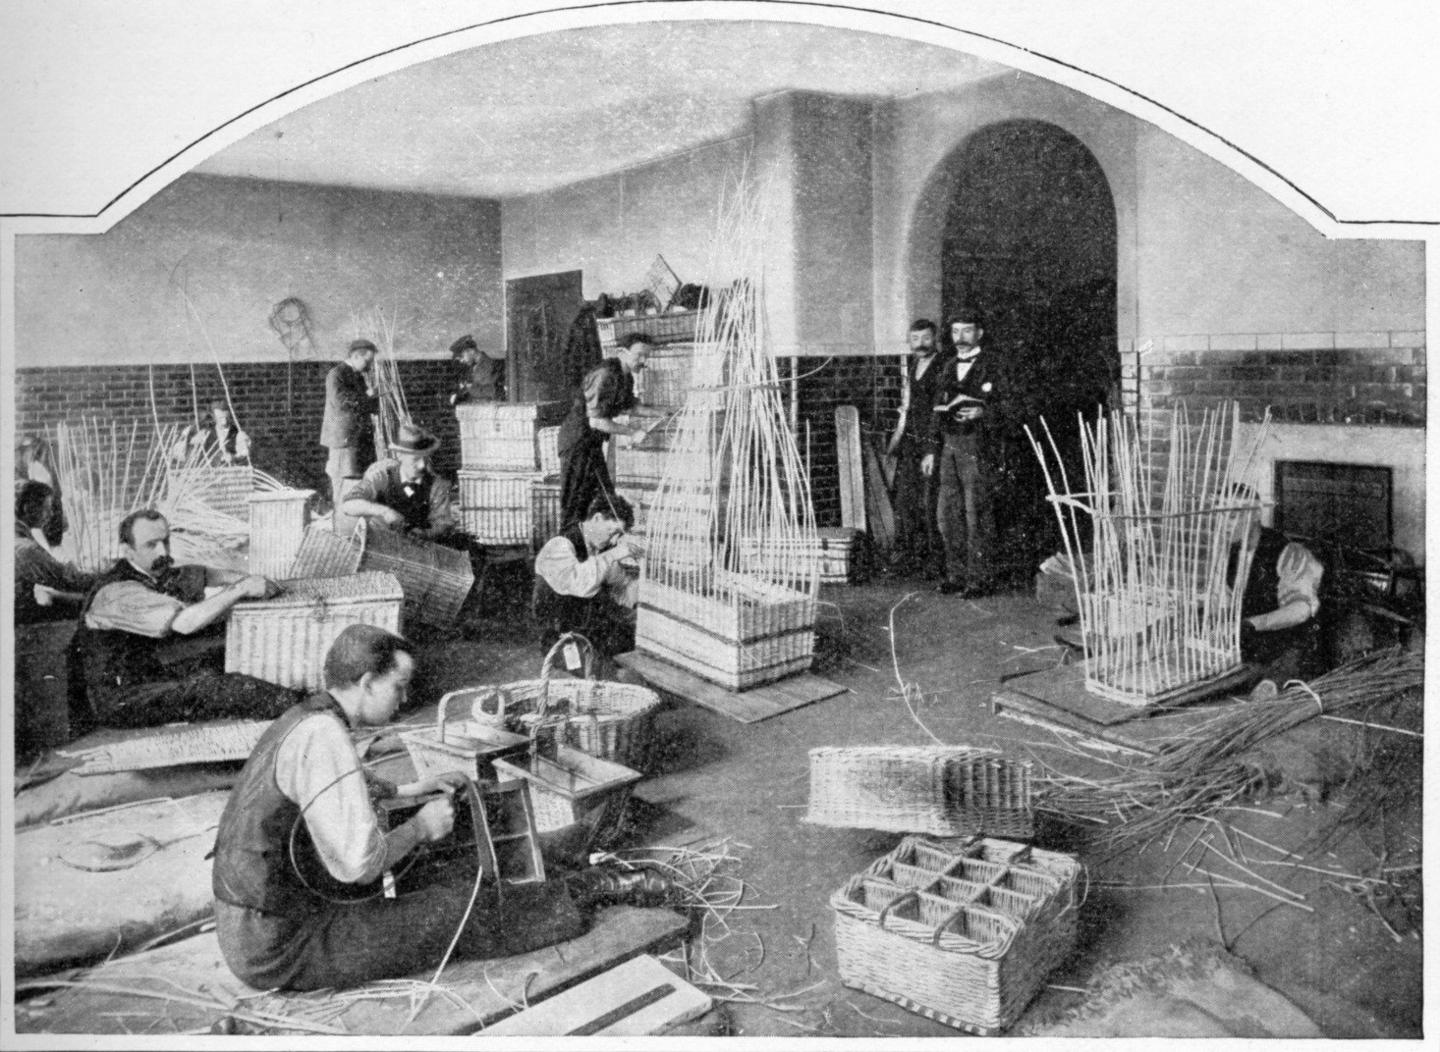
(164, 562)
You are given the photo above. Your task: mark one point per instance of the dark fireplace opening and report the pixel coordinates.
(1344, 504)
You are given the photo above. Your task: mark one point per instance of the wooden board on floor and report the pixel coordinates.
(748, 706)
(639, 997)
(1058, 697)
(852, 470)
(167, 983)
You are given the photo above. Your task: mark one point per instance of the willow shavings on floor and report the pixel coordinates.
(1209, 769)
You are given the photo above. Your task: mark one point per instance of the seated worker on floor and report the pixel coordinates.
(585, 579)
(1279, 609)
(402, 494)
(277, 930)
(135, 612)
(45, 588)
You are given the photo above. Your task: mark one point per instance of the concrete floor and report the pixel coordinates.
(716, 777)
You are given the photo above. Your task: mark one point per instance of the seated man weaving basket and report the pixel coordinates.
(130, 621)
(278, 929)
(585, 579)
(402, 494)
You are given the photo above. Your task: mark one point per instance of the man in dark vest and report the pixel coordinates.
(585, 580)
(919, 547)
(134, 614)
(277, 928)
(401, 492)
(1280, 605)
(962, 457)
(597, 412)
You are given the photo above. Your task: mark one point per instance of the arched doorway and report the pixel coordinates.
(1029, 237)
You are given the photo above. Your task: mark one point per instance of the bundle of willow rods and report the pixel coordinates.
(394, 410)
(1211, 768)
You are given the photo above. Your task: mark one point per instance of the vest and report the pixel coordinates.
(113, 660)
(252, 857)
(556, 614)
(416, 509)
(1262, 594)
(576, 429)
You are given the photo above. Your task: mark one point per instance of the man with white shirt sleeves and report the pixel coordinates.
(919, 548)
(962, 457)
(585, 580)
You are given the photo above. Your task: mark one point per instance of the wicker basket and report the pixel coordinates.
(468, 746)
(434, 579)
(544, 512)
(495, 506)
(284, 639)
(222, 487)
(941, 790)
(574, 788)
(964, 934)
(548, 439)
(671, 327)
(611, 721)
(504, 436)
(278, 519)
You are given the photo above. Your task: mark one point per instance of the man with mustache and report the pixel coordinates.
(130, 622)
(402, 493)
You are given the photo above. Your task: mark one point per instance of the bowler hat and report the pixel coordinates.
(412, 438)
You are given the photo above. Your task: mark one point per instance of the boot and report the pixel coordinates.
(608, 886)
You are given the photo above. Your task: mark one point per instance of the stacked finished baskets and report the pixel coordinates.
(942, 790)
(506, 448)
(962, 933)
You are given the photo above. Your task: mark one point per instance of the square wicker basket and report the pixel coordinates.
(680, 326)
(573, 789)
(505, 436)
(942, 790)
(284, 640)
(496, 507)
(963, 933)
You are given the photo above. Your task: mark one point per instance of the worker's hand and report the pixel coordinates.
(253, 586)
(970, 412)
(436, 819)
(446, 782)
(392, 518)
(927, 465)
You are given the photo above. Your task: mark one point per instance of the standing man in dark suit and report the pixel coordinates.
(963, 457)
(346, 431)
(919, 548)
(600, 409)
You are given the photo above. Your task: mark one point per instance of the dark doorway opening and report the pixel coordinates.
(1029, 238)
(539, 312)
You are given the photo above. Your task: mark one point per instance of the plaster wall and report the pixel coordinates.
(239, 246)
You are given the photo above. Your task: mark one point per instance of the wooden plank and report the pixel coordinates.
(750, 706)
(847, 450)
(1063, 688)
(472, 994)
(614, 990)
(878, 511)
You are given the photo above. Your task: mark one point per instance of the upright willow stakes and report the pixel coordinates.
(1149, 539)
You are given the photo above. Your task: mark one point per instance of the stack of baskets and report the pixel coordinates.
(964, 933)
(942, 790)
(506, 449)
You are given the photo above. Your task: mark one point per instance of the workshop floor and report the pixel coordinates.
(1337, 959)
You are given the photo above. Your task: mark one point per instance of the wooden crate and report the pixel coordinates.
(278, 519)
(505, 436)
(757, 633)
(496, 506)
(573, 789)
(284, 640)
(964, 933)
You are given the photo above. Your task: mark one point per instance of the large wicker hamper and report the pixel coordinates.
(284, 639)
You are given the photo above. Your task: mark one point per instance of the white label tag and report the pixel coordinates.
(572, 656)
(387, 883)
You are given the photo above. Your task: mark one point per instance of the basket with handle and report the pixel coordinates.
(468, 746)
(611, 721)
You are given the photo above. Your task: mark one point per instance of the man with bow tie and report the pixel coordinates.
(402, 494)
(961, 457)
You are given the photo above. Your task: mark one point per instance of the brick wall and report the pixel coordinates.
(279, 406)
(1307, 378)
(872, 385)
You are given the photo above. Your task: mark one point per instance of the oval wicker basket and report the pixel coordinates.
(611, 721)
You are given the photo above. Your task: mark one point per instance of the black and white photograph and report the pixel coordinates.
(640, 523)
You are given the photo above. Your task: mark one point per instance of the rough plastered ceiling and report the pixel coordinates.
(532, 114)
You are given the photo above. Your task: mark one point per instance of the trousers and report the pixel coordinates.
(918, 544)
(965, 513)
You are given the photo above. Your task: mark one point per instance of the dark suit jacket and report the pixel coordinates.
(984, 382)
(919, 421)
(347, 409)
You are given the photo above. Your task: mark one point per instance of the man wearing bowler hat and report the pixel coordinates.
(345, 431)
(401, 493)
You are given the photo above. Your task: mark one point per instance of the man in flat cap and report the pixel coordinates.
(479, 376)
(401, 493)
(350, 401)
